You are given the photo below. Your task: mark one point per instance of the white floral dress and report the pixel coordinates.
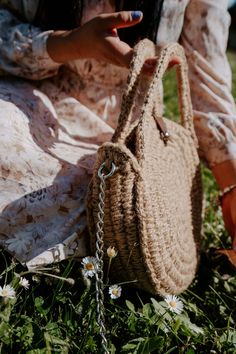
(53, 118)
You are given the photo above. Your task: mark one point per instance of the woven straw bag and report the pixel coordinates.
(150, 207)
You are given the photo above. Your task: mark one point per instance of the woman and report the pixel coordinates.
(60, 99)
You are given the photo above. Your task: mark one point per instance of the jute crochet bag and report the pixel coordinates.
(149, 206)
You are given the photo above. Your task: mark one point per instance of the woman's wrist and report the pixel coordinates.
(60, 47)
(225, 173)
(226, 191)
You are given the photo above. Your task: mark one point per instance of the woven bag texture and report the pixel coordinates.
(153, 202)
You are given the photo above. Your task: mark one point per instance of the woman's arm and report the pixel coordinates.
(204, 37)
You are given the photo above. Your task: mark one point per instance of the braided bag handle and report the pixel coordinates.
(146, 49)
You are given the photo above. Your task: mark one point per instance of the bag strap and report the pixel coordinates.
(146, 49)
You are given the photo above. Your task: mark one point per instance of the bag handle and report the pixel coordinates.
(146, 49)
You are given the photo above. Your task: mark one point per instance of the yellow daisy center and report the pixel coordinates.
(173, 304)
(115, 292)
(89, 266)
(5, 293)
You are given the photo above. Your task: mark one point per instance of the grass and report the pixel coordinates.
(57, 314)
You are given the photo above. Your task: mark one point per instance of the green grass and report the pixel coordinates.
(232, 60)
(57, 316)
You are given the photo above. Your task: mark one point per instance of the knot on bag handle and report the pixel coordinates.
(164, 55)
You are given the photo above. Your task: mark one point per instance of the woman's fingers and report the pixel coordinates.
(115, 50)
(150, 64)
(120, 51)
(120, 19)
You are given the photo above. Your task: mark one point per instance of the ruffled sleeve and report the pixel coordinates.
(23, 50)
(204, 36)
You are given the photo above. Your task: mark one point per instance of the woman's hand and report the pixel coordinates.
(96, 39)
(225, 174)
(99, 39)
(229, 215)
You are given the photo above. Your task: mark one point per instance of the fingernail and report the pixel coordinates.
(136, 15)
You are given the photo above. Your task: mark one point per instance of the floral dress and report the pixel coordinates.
(53, 117)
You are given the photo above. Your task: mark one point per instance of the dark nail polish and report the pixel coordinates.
(136, 15)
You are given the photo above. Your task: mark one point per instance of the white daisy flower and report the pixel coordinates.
(174, 304)
(111, 252)
(115, 291)
(89, 266)
(24, 283)
(7, 291)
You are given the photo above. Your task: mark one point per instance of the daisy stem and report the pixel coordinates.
(108, 271)
(48, 275)
(127, 282)
(8, 269)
